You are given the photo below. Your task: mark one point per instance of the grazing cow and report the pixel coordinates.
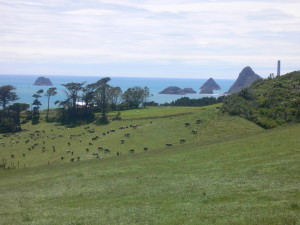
(194, 131)
(182, 141)
(169, 145)
(198, 121)
(26, 141)
(69, 143)
(29, 149)
(111, 130)
(90, 143)
(12, 156)
(103, 134)
(78, 158)
(72, 153)
(44, 142)
(95, 138)
(127, 135)
(107, 151)
(122, 141)
(145, 148)
(131, 151)
(62, 158)
(23, 154)
(80, 140)
(68, 151)
(72, 160)
(187, 124)
(118, 153)
(100, 148)
(87, 150)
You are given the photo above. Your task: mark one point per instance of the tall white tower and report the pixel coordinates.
(278, 68)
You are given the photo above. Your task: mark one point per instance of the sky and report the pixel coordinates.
(149, 38)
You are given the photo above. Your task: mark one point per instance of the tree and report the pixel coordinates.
(101, 95)
(7, 95)
(18, 108)
(72, 93)
(136, 96)
(88, 94)
(37, 104)
(114, 96)
(50, 92)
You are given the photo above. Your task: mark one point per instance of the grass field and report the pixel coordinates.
(230, 172)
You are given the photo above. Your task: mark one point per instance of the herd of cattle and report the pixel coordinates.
(37, 141)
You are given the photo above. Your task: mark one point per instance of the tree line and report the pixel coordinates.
(81, 102)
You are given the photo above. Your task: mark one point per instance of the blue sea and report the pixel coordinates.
(25, 88)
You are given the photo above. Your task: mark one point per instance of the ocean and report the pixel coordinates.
(25, 88)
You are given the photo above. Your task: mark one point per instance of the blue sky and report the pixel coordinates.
(149, 38)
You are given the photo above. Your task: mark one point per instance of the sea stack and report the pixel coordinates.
(43, 81)
(245, 79)
(209, 86)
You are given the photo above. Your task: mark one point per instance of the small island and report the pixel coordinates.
(189, 91)
(43, 81)
(209, 86)
(174, 90)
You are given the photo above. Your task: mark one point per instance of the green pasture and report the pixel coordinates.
(230, 172)
(152, 133)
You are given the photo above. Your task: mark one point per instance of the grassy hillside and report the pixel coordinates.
(156, 127)
(269, 103)
(230, 172)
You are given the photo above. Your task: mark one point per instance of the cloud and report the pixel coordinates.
(128, 31)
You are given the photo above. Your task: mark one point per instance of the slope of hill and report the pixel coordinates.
(245, 79)
(248, 176)
(269, 103)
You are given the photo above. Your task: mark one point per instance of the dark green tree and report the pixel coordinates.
(7, 95)
(36, 103)
(114, 95)
(17, 108)
(136, 96)
(50, 92)
(73, 93)
(101, 96)
(88, 95)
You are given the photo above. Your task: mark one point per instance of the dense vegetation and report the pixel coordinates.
(269, 103)
(185, 101)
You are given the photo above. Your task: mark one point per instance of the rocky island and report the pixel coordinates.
(174, 90)
(245, 79)
(43, 81)
(209, 86)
